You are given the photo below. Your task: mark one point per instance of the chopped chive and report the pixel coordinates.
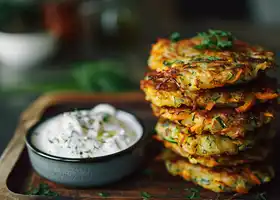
(230, 76)
(171, 140)
(167, 63)
(221, 122)
(213, 58)
(193, 117)
(170, 63)
(215, 98)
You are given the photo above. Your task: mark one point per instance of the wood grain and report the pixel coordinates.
(17, 175)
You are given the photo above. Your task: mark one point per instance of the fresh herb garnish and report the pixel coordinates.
(145, 195)
(43, 190)
(261, 196)
(195, 193)
(175, 37)
(106, 117)
(103, 194)
(221, 122)
(215, 39)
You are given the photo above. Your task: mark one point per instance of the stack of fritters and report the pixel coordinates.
(214, 104)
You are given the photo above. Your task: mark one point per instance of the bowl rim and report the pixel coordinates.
(139, 144)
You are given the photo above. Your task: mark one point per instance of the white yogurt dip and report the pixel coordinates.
(100, 131)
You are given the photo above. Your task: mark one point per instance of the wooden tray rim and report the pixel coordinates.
(28, 118)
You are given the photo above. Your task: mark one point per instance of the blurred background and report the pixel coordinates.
(103, 45)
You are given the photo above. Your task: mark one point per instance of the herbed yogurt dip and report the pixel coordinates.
(98, 132)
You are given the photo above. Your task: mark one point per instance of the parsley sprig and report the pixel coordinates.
(215, 40)
(175, 37)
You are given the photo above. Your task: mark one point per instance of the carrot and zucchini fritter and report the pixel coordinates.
(256, 154)
(202, 62)
(162, 91)
(218, 121)
(207, 144)
(227, 179)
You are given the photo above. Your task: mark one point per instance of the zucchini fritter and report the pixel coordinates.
(162, 91)
(219, 121)
(206, 144)
(257, 153)
(228, 179)
(196, 69)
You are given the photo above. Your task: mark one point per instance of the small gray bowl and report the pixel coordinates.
(87, 172)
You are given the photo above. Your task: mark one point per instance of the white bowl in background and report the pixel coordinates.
(23, 50)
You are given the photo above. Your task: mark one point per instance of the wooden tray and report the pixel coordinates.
(17, 176)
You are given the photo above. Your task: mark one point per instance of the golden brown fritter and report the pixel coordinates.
(207, 144)
(257, 153)
(162, 91)
(228, 179)
(218, 121)
(206, 68)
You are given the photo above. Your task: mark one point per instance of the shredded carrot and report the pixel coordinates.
(195, 127)
(241, 190)
(236, 77)
(264, 96)
(210, 105)
(156, 137)
(253, 176)
(167, 144)
(268, 114)
(185, 174)
(237, 132)
(218, 85)
(247, 105)
(183, 139)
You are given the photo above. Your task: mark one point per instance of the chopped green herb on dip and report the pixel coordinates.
(100, 131)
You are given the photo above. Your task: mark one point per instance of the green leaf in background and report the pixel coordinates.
(103, 76)
(92, 76)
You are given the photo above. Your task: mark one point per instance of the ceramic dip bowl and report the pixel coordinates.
(87, 172)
